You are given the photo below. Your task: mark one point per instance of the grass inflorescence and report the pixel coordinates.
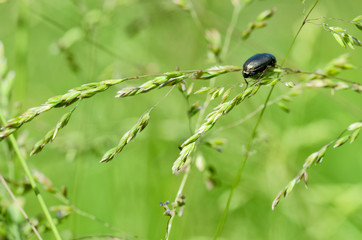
(127, 137)
(317, 157)
(189, 144)
(218, 50)
(51, 135)
(73, 95)
(91, 89)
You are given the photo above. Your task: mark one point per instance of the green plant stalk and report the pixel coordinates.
(241, 167)
(87, 39)
(253, 134)
(195, 16)
(206, 103)
(230, 30)
(250, 115)
(3, 181)
(179, 192)
(90, 89)
(186, 174)
(32, 181)
(22, 46)
(296, 35)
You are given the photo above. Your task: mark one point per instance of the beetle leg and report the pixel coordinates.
(247, 84)
(262, 74)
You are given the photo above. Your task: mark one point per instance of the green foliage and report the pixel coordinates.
(138, 54)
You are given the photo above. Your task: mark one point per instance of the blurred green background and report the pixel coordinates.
(57, 45)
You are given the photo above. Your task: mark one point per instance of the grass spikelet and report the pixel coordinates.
(222, 109)
(344, 39)
(218, 112)
(73, 95)
(90, 89)
(127, 137)
(50, 136)
(258, 23)
(180, 163)
(316, 158)
(147, 86)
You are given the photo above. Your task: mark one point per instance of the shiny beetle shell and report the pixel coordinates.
(258, 64)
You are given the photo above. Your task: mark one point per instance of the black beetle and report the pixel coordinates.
(257, 65)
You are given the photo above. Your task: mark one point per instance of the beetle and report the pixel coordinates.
(257, 65)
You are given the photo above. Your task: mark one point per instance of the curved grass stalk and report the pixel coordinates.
(90, 89)
(73, 95)
(316, 158)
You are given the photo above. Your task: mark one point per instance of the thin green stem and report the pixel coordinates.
(230, 30)
(89, 40)
(195, 17)
(295, 71)
(250, 115)
(22, 47)
(241, 167)
(204, 106)
(187, 100)
(179, 192)
(253, 134)
(32, 181)
(3, 181)
(186, 174)
(296, 35)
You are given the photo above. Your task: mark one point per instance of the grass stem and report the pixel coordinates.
(253, 134)
(230, 30)
(33, 184)
(3, 181)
